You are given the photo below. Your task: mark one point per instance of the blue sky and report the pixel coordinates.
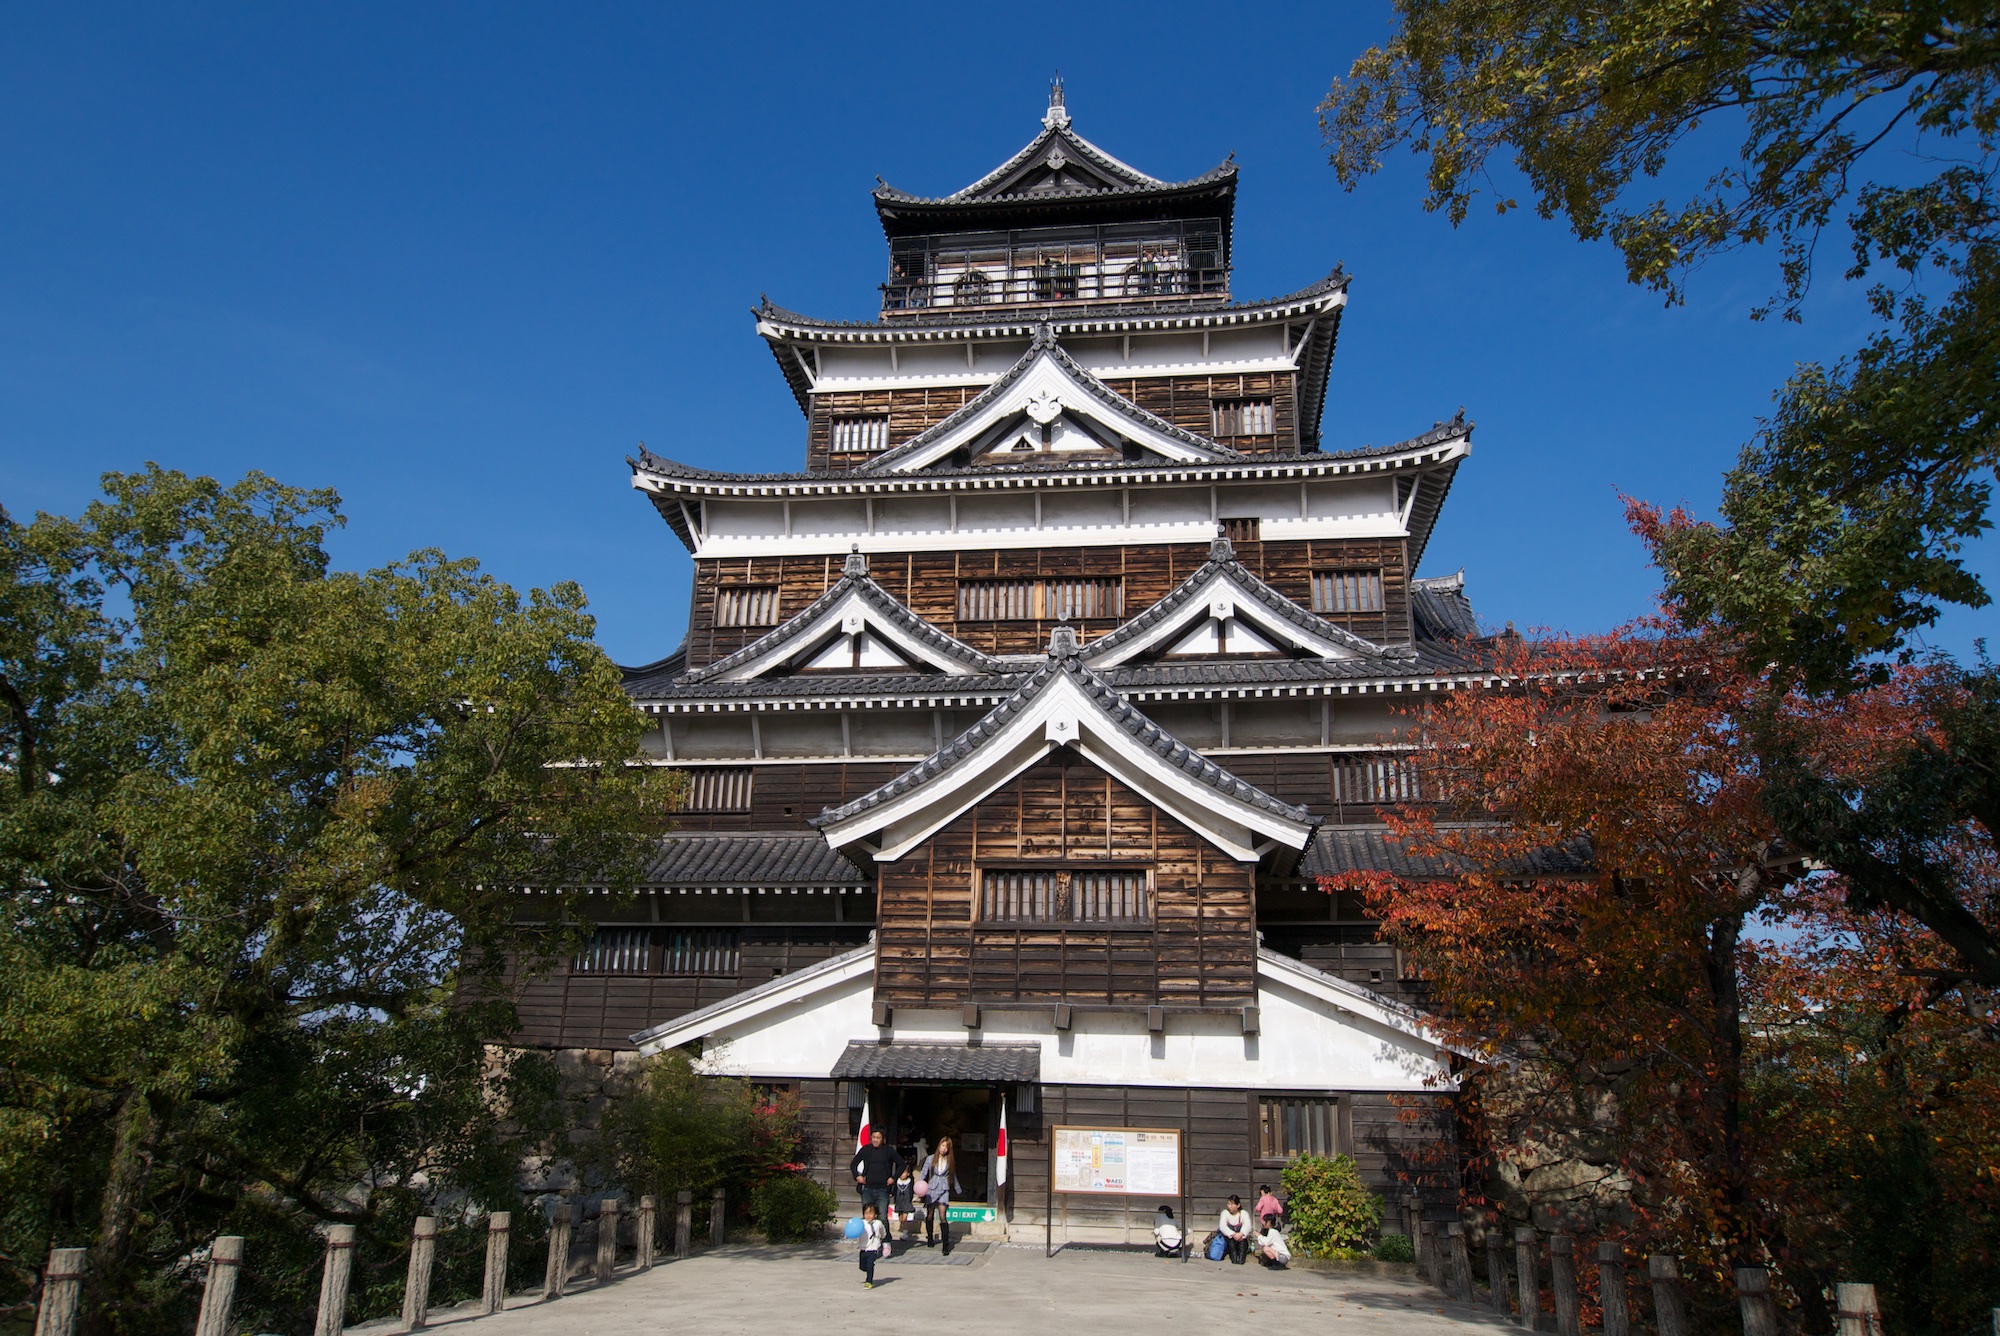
(454, 262)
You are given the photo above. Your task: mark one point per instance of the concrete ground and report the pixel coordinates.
(1000, 1289)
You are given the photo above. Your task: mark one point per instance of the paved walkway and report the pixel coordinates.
(751, 1289)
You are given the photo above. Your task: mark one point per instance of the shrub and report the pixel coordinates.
(1394, 1248)
(793, 1208)
(1327, 1206)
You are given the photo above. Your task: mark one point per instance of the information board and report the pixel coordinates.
(1131, 1161)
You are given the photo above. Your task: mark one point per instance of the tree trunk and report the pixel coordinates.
(138, 1130)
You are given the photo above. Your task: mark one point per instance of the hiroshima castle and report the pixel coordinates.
(1020, 722)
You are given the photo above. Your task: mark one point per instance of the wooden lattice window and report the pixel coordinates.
(1290, 1127)
(1377, 779)
(616, 951)
(718, 790)
(746, 605)
(1066, 895)
(1244, 417)
(860, 435)
(701, 952)
(1054, 600)
(1248, 530)
(1342, 592)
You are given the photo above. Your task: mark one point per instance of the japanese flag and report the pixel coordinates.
(861, 1138)
(1000, 1146)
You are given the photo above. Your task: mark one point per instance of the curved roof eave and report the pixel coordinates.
(777, 322)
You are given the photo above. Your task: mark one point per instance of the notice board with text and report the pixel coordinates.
(1133, 1161)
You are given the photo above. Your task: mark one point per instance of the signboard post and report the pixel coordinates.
(1114, 1162)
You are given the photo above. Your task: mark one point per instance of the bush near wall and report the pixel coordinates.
(1327, 1207)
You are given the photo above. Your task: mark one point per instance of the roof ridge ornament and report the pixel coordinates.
(1219, 547)
(1062, 642)
(856, 563)
(1058, 115)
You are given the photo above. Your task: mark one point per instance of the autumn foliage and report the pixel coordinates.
(1747, 1068)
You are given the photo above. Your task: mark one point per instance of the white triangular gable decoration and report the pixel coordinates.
(1221, 635)
(1224, 615)
(1062, 713)
(1051, 380)
(829, 642)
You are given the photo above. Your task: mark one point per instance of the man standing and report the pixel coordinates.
(876, 1168)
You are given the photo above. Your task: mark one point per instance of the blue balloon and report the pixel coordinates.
(853, 1226)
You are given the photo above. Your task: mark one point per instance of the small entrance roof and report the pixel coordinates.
(974, 1064)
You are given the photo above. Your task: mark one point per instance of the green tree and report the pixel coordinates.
(259, 822)
(680, 1131)
(1845, 522)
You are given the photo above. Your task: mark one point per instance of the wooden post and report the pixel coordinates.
(62, 1289)
(1527, 1275)
(683, 1224)
(1427, 1253)
(417, 1287)
(1562, 1280)
(649, 1214)
(1859, 1314)
(555, 1279)
(1669, 1307)
(1461, 1262)
(607, 1239)
(499, 1226)
(1611, 1289)
(1753, 1297)
(1412, 1213)
(1496, 1271)
(333, 1280)
(218, 1293)
(718, 1219)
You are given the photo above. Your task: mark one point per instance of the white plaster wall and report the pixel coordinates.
(1305, 1043)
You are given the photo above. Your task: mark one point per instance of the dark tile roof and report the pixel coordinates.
(842, 686)
(1425, 660)
(1232, 462)
(854, 579)
(1344, 849)
(1064, 319)
(1044, 343)
(1063, 661)
(1441, 610)
(1222, 562)
(719, 860)
(979, 1064)
(648, 678)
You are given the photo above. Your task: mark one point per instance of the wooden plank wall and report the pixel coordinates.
(1189, 403)
(559, 1009)
(1200, 951)
(927, 582)
(786, 796)
(1186, 401)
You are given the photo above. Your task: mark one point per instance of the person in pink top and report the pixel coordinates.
(1267, 1205)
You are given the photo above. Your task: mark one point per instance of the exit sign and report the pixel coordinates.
(971, 1215)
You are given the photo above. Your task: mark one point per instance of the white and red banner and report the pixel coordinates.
(1000, 1147)
(861, 1138)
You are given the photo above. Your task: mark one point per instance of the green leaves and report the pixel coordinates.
(259, 835)
(1327, 1207)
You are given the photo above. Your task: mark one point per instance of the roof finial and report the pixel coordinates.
(1062, 642)
(856, 563)
(1219, 547)
(1058, 115)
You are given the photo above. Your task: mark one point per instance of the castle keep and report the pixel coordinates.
(1019, 722)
